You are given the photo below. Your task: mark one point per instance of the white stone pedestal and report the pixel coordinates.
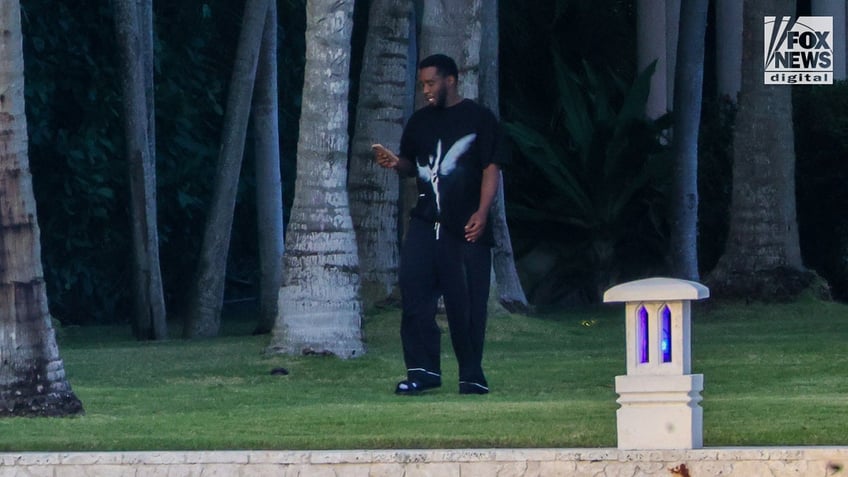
(660, 412)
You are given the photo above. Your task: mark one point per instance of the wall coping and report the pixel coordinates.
(726, 461)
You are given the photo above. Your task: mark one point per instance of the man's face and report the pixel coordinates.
(434, 87)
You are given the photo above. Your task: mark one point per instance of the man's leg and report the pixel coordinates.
(465, 273)
(479, 275)
(420, 335)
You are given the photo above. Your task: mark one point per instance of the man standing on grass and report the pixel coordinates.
(451, 145)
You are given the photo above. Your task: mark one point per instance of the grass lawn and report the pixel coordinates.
(774, 375)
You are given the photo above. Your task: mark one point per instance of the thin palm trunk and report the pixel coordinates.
(510, 293)
(728, 48)
(149, 321)
(269, 187)
(689, 78)
(207, 295)
(651, 45)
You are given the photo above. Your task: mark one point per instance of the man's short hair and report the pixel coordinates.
(444, 64)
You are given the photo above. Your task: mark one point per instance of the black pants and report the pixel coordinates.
(458, 270)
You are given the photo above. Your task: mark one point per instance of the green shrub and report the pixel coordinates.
(590, 187)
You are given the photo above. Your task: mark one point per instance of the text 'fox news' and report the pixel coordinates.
(798, 50)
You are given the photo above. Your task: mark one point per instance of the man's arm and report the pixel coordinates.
(477, 223)
(389, 160)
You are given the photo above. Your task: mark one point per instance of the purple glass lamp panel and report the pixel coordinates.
(642, 335)
(665, 341)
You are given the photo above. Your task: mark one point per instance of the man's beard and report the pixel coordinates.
(441, 99)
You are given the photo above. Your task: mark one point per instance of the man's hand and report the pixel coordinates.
(384, 157)
(476, 225)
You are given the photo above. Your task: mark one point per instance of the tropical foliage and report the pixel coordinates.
(80, 184)
(76, 146)
(590, 186)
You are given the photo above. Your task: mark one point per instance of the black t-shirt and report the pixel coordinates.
(451, 147)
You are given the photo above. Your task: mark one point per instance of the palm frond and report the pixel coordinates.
(550, 159)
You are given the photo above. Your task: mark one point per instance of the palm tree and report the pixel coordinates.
(32, 375)
(762, 256)
(134, 31)
(656, 30)
(320, 308)
(728, 55)
(688, 86)
(269, 187)
(383, 99)
(509, 294)
(454, 27)
(207, 295)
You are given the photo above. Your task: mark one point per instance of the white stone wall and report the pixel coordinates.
(725, 462)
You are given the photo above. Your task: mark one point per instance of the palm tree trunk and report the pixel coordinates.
(380, 114)
(149, 320)
(509, 293)
(762, 257)
(454, 28)
(207, 295)
(728, 48)
(689, 79)
(320, 309)
(652, 45)
(269, 187)
(32, 375)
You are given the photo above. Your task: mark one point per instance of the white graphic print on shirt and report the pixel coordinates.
(443, 166)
